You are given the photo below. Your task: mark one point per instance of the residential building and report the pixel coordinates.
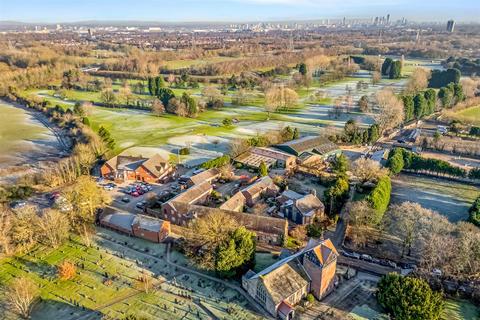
(301, 209)
(122, 168)
(196, 194)
(284, 284)
(263, 186)
(206, 176)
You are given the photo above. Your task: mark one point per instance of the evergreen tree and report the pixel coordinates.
(408, 107)
(395, 70)
(419, 106)
(302, 68)
(296, 133)
(407, 298)
(164, 95)
(386, 66)
(431, 99)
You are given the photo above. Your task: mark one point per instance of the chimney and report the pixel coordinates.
(314, 192)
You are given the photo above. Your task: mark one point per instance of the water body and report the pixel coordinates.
(24, 140)
(451, 199)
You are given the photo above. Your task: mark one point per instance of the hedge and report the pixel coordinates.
(217, 162)
(379, 198)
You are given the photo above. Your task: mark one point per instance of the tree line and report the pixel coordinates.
(401, 159)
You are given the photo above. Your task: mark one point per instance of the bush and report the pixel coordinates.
(184, 151)
(227, 122)
(310, 298)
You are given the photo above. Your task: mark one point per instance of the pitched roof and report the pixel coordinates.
(325, 252)
(318, 144)
(238, 199)
(285, 280)
(192, 194)
(259, 186)
(123, 220)
(155, 164)
(205, 176)
(308, 203)
(148, 223)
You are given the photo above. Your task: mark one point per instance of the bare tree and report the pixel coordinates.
(361, 222)
(53, 228)
(367, 170)
(470, 87)
(418, 81)
(391, 113)
(21, 296)
(376, 77)
(6, 246)
(157, 107)
(279, 97)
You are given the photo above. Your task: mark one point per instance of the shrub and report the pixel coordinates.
(227, 122)
(184, 151)
(310, 298)
(66, 270)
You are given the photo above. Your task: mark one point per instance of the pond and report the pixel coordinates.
(451, 199)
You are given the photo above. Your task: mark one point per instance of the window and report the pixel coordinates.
(261, 294)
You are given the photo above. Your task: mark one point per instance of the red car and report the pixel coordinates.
(135, 194)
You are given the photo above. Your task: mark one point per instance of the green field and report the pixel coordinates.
(470, 115)
(89, 296)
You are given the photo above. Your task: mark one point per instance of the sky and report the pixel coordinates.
(234, 10)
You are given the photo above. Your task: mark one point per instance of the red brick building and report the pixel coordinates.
(136, 225)
(121, 168)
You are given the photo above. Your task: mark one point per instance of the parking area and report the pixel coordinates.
(129, 195)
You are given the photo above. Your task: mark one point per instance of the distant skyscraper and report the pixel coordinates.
(388, 18)
(450, 25)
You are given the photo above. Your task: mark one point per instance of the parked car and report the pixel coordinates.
(404, 265)
(108, 188)
(54, 195)
(375, 260)
(197, 171)
(135, 194)
(392, 264)
(366, 257)
(125, 199)
(18, 204)
(141, 204)
(437, 272)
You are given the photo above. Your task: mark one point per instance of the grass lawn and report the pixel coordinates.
(460, 310)
(470, 115)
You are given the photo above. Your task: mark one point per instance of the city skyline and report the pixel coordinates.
(56, 11)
